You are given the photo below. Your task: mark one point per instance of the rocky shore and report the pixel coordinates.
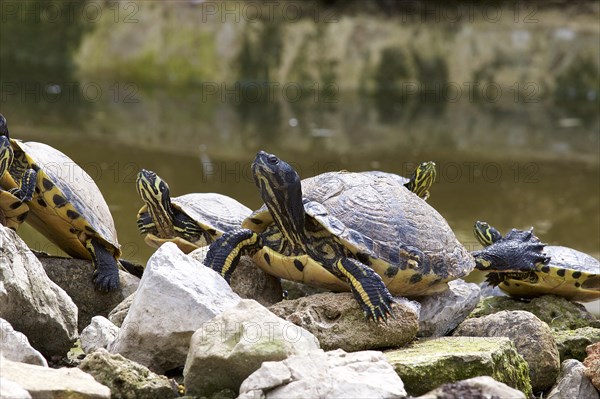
(181, 330)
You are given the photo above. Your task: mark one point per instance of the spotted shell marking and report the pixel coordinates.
(68, 205)
(570, 273)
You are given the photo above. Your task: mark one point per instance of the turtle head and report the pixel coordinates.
(281, 190)
(485, 234)
(6, 154)
(422, 179)
(155, 193)
(3, 126)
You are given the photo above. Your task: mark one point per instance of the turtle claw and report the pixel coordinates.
(106, 281)
(381, 310)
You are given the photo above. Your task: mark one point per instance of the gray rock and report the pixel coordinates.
(443, 312)
(117, 315)
(12, 390)
(99, 334)
(295, 290)
(176, 296)
(532, 337)
(249, 281)
(126, 378)
(338, 322)
(45, 382)
(75, 277)
(573, 383)
(319, 374)
(558, 312)
(483, 387)
(427, 364)
(15, 346)
(31, 302)
(233, 345)
(572, 343)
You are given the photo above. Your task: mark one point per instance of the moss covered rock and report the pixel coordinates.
(532, 337)
(572, 343)
(126, 378)
(428, 364)
(559, 313)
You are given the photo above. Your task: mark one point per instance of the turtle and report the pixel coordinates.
(569, 273)
(13, 206)
(360, 232)
(190, 221)
(67, 207)
(420, 181)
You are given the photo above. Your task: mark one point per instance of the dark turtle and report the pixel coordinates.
(569, 273)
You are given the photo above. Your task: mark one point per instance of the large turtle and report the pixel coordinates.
(67, 207)
(190, 221)
(569, 273)
(357, 231)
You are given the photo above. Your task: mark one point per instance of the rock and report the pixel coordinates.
(441, 313)
(12, 390)
(233, 345)
(15, 346)
(75, 277)
(98, 334)
(45, 382)
(338, 322)
(573, 383)
(319, 374)
(249, 281)
(572, 343)
(592, 364)
(175, 297)
(557, 312)
(117, 315)
(126, 378)
(295, 290)
(483, 387)
(532, 337)
(31, 302)
(430, 363)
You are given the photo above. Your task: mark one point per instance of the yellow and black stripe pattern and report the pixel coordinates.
(422, 179)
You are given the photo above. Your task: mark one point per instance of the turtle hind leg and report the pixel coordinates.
(106, 271)
(367, 287)
(224, 254)
(518, 251)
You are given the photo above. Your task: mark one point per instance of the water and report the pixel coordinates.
(514, 162)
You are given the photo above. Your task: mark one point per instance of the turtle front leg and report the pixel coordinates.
(518, 251)
(26, 187)
(224, 254)
(367, 287)
(106, 271)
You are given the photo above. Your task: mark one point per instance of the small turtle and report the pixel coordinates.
(66, 206)
(190, 221)
(569, 273)
(359, 232)
(419, 183)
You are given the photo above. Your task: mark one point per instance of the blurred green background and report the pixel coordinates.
(503, 96)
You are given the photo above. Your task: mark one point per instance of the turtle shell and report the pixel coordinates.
(406, 241)
(570, 273)
(213, 212)
(67, 206)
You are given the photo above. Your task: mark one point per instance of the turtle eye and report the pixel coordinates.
(162, 187)
(273, 160)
